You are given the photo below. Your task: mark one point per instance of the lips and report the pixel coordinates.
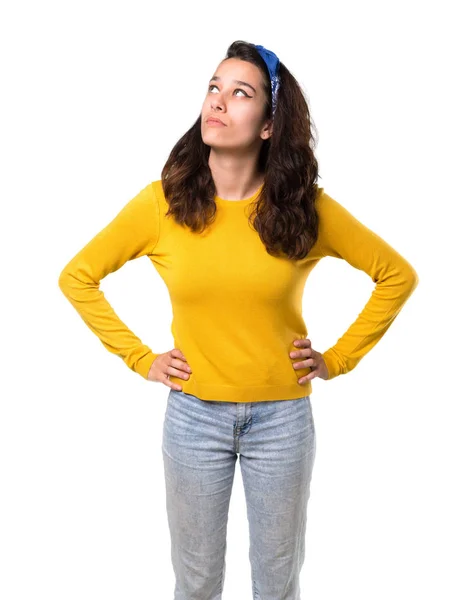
(214, 120)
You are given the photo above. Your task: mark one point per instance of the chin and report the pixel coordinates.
(209, 140)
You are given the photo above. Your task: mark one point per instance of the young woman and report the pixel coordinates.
(234, 228)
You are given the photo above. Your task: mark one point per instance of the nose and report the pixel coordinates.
(216, 104)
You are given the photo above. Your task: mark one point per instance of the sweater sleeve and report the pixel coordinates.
(133, 233)
(341, 235)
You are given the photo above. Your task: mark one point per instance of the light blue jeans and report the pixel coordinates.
(276, 443)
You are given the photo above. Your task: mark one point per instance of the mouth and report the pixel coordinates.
(213, 121)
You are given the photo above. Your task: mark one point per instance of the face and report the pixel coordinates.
(236, 97)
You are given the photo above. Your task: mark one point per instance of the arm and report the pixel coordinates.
(133, 233)
(341, 235)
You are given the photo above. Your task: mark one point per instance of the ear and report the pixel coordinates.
(267, 130)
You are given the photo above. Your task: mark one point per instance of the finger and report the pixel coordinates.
(310, 362)
(176, 373)
(174, 386)
(302, 343)
(309, 377)
(306, 353)
(182, 365)
(178, 353)
(171, 384)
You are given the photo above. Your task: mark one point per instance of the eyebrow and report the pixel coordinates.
(216, 78)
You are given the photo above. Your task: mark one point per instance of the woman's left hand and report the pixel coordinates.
(310, 358)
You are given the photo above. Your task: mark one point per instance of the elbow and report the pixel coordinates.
(62, 281)
(411, 278)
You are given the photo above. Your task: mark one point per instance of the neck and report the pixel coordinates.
(234, 177)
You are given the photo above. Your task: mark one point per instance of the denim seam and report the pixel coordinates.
(222, 573)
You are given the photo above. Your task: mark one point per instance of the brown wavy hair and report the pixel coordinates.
(284, 214)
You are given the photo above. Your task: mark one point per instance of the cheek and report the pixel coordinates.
(249, 124)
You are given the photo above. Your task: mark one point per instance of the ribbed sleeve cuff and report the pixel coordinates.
(143, 365)
(333, 366)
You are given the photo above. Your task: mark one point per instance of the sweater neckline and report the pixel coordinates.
(241, 202)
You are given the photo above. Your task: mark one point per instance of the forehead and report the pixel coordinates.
(235, 69)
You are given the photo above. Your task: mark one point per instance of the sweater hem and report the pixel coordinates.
(227, 393)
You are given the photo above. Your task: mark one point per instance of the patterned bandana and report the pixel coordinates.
(272, 62)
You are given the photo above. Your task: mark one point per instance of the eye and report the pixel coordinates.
(236, 90)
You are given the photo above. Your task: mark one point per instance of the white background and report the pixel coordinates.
(94, 97)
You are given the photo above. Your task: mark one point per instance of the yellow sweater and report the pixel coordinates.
(236, 309)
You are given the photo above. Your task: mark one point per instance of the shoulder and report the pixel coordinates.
(328, 208)
(158, 189)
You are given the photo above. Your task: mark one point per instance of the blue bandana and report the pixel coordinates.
(272, 62)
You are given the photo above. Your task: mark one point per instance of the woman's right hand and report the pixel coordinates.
(169, 363)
